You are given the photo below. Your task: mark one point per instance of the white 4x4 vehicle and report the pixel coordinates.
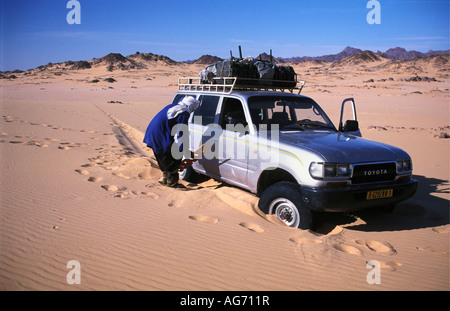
(283, 147)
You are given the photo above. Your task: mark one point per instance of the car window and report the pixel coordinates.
(232, 114)
(178, 98)
(206, 112)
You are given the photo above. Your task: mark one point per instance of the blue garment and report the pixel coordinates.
(158, 135)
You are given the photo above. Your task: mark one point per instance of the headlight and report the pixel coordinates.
(329, 170)
(343, 170)
(404, 166)
(316, 170)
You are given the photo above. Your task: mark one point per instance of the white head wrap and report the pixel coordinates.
(188, 104)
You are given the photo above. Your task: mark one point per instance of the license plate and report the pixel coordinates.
(380, 194)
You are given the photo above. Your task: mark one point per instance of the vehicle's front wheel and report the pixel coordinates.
(284, 200)
(188, 174)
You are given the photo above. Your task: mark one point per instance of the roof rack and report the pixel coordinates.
(226, 85)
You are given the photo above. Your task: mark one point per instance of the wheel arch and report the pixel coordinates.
(271, 176)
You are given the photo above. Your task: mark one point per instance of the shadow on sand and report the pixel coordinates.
(423, 210)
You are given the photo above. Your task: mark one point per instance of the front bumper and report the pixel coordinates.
(352, 198)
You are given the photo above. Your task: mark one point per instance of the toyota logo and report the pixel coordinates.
(375, 172)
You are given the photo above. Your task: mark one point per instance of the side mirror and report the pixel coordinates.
(351, 126)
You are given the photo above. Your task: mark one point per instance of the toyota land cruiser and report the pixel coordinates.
(282, 147)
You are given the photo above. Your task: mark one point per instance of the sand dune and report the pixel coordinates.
(78, 184)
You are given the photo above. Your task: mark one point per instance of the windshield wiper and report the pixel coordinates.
(314, 124)
(324, 126)
(293, 127)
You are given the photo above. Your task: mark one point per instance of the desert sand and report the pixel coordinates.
(77, 183)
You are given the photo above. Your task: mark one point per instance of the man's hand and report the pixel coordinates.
(185, 164)
(195, 155)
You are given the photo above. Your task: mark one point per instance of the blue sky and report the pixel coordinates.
(34, 33)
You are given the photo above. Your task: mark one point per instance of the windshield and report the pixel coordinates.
(288, 113)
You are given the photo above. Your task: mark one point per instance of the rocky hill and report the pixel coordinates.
(206, 60)
(116, 61)
(111, 62)
(360, 58)
(143, 58)
(402, 54)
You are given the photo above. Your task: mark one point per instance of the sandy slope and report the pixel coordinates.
(78, 184)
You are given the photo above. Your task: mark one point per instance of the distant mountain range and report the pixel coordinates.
(325, 58)
(112, 62)
(350, 55)
(397, 53)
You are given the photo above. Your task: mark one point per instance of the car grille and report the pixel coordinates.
(375, 172)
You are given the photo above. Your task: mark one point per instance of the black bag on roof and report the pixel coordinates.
(285, 76)
(250, 72)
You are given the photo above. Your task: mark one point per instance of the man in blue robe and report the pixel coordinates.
(159, 136)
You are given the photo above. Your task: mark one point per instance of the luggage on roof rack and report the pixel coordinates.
(242, 74)
(227, 68)
(250, 72)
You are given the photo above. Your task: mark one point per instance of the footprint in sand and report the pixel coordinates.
(348, 249)
(110, 187)
(40, 144)
(121, 195)
(82, 172)
(68, 145)
(89, 165)
(252, 227)
(209, 219)
(174, 204)
(121, 175)
(94, 179)
(430, 249)
(51, 139)
(8, 119)
(146, 194)
(390, 264)
(378, 247)
(305, 240)
(150, 194)
(441, 230)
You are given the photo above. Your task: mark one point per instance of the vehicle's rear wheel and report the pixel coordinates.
(284, 200)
